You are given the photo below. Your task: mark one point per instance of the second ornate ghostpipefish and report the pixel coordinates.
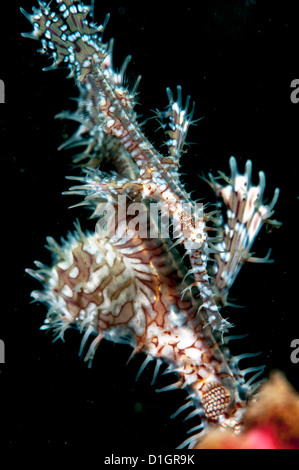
(127, 281)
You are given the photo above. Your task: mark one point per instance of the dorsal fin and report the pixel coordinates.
(245, 215)
(175, 121)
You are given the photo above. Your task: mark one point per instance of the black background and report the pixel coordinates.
(237, 60)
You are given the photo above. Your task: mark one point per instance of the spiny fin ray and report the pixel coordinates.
(245, 215)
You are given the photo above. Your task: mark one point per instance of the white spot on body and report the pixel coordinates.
(188, 338)
(137, 323)
(225, 257)
(67, 291)
(95, 279)
(74, 272)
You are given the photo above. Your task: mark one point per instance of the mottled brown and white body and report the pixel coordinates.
(126, 281)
